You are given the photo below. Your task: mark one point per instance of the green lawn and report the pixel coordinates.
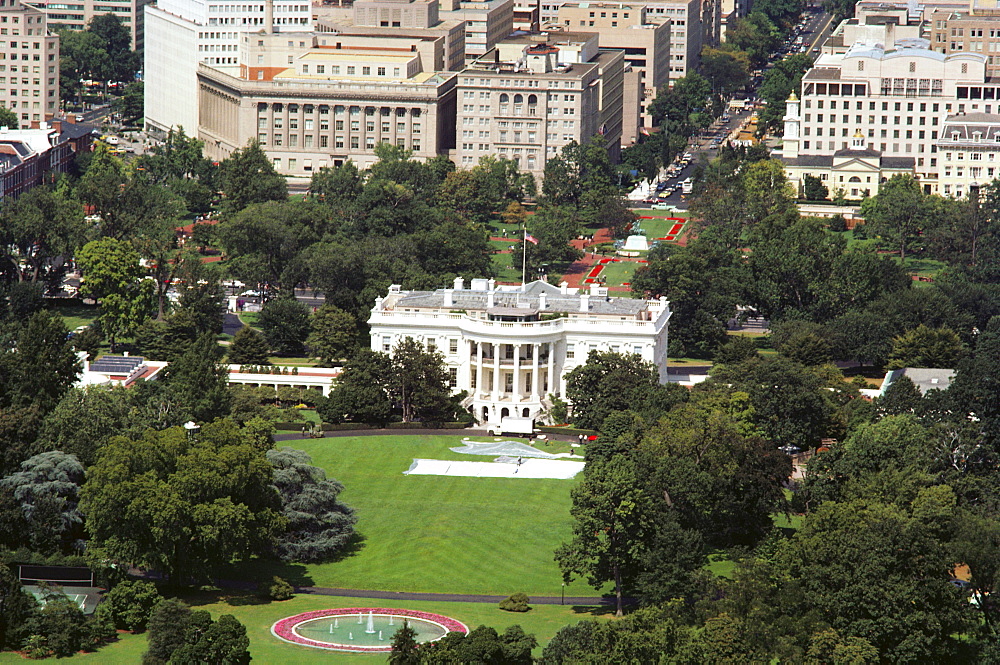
(76, 314)
(249, 318)
(618, 273)
(127, 650)
(437, 533)
(656, 228)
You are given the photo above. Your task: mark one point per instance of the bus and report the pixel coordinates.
(687, 186)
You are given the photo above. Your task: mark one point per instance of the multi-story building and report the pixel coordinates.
(486, 23)
(854, 172)
(76, 15)
(898, 98)
(974, 30)
(410, 18)
(29, 75)
(686, 35)
(531, 95)
(181, 34)
(969, 152)
(646, 45)
(511, 347)
(483, 22)
(316, 100)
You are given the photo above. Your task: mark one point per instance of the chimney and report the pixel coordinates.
(541, 301)
(449, 297)
(493, 284)
(268, 16)
(459, 284)
(585, 302)
(489, 299)
(564, 288)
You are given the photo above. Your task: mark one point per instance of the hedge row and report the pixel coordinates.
(342, 427)
(549, 429)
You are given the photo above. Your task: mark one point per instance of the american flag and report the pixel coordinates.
(530, 238)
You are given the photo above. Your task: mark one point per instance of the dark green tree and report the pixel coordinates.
(362, 390)
(404, 646)
(319, 525)
(285, 324)
(813, 188)
(610, 528)
(129, 605)
(180, 503)
(419, 381)
(167, 624)
(248, 177)
(897, 212)
(196, 384)
(617, 382)
(248, 348)
(334, 334)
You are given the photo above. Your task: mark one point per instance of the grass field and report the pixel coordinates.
(656, 228)
(436, 533)
(76, 314)
(618, 273)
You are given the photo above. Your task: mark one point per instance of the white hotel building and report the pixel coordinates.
(510, 347)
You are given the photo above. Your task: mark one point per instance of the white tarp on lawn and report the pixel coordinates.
(529, 468)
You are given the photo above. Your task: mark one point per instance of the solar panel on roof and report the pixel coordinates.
(116, 364)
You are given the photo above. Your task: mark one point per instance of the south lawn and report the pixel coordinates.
(436, 533)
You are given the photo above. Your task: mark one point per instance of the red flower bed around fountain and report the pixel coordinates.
(284, 629)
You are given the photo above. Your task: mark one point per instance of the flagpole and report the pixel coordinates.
(524, 256)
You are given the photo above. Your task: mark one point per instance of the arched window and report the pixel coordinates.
(504, 98)
(518, 99)
(854, 178)
(532, 100)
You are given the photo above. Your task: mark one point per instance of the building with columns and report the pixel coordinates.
(510, 347)
(313, 100)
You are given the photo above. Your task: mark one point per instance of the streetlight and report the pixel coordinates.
(562, 600)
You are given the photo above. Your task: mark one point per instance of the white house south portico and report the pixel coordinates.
(510, 347)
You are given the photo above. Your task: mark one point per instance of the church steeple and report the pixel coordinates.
(790, 147)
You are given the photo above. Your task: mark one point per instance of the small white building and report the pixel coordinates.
(510, 347)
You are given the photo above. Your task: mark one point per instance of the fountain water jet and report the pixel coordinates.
(370, 629)
(380, 636)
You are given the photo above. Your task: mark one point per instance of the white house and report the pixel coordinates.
(512, 346)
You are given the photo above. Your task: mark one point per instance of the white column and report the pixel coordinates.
(550, 367)
(535, 348)
(479, 368)
(516, 397)
(496, 371)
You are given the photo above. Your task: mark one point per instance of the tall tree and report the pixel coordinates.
(285, 324)
(362, 390)
(334, 334)
(113, 276)
(182, 504)
(197, 383)
(610, 382)
(420, 383)
(897, 212)
(249, 177)
(47, 489)
(610, 526)
(319, 525)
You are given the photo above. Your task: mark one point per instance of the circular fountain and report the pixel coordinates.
(323, 629)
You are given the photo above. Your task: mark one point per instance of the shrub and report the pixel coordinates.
(280, 589)
(129, 605)
(517, 602)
